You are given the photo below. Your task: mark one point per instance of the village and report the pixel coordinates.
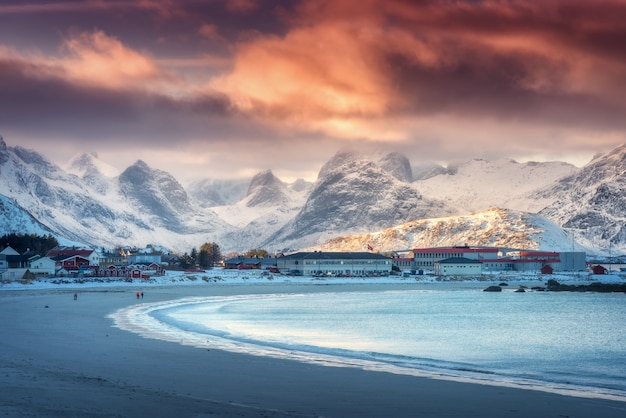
(132, 264)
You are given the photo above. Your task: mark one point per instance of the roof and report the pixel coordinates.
(321, 255)
(456, 250)
(9, 251)
(67, 257)
(243, 260)
(68, 252)
(459, 260)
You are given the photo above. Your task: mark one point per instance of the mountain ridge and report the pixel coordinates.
(354, 194)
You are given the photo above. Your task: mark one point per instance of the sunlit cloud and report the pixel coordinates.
(344, 63)
(100, 59)
(311, 73)
(436, 79)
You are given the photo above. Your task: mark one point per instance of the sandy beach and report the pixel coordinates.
(64, 358)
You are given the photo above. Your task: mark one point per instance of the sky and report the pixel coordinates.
(229, 88)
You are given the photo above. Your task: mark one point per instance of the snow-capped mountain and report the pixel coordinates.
(355, 195)
(157, 193)
(477, 185)
(94, 172)
(123, 210)
(268, 206)
(218, 192)
(591, 203)
(377, 195)
(496, 227)
(266, 190)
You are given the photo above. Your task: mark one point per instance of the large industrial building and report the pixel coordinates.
(449, 260)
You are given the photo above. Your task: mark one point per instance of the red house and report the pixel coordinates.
(598, 269)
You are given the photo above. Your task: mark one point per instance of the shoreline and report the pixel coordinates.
(143, 320)
(67, 359)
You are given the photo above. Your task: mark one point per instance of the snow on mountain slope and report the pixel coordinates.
(157, 193)
(591, 204)
(85, 164)
(97, 174)
(217, 192)
(477, 184)
(353, 195)
(493, 228)
(70, 207)
(397, 165)
(269, 205)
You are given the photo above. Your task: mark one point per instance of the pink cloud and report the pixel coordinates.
(241, 6)
(103, 60)
(343, 63)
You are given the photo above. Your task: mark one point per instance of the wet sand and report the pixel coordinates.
(63, 358)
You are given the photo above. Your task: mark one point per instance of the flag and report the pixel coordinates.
(370, 248)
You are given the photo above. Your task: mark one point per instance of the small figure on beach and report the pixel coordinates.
(141, 295)
(137, 295)
(75, 296)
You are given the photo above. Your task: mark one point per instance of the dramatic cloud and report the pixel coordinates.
(436, 79)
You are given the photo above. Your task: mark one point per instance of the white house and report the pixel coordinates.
(458, 266)
(43, 265)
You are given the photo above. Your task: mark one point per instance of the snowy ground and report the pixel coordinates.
(239, 277)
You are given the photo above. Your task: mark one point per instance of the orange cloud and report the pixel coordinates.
(340, 64)
(312, 72)
(102, 60)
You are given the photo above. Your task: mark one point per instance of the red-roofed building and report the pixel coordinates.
(74, 259)
(427, 257)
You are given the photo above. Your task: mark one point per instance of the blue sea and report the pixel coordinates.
(564, 342)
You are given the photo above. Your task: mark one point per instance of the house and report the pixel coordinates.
(458, 266)
(243, 263)
(71, 263)
(42, 266)
(66, 253)
(598, 269)
(319, 263)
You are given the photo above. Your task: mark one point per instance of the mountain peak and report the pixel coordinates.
(397, 165)
(87, 164)
(156, 191)
(265, 190)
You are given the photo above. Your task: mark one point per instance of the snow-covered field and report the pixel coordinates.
(256, 277)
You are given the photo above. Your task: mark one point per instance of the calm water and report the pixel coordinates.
(571, 341)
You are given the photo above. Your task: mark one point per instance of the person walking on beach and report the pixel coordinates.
(75, 296)
(141, 295)
(137, 295)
